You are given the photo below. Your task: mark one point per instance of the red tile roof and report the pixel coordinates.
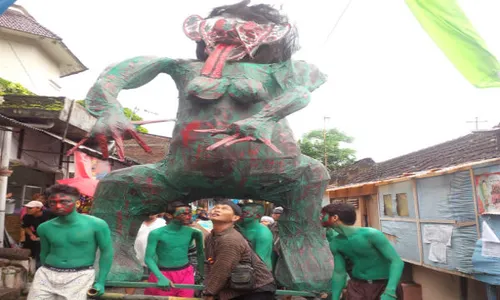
(469, 148)
(159, 145)
(18, 21)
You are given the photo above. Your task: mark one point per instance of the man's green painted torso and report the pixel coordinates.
(71, 245)
(368, 262)
(261, 240)
(173, 245)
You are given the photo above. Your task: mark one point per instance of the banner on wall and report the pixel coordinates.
(90, 167)
(488, 193)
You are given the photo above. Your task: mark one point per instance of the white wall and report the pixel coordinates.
(24, 62)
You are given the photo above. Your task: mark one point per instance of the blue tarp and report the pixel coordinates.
(4, 4)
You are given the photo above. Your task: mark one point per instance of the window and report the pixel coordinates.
(402, 205)
(388, 205)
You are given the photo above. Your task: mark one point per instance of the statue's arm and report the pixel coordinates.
(339, 274)
(378, 239)
(298, 80)
(200, 254)
(101, 100)
(44, 243)
(103, 238)
(128, 74)
(264, 247)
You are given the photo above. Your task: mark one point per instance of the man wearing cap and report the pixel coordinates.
(35, 215)
(225, 249)
(274, 230)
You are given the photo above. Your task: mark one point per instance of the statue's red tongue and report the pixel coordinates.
(216, 60)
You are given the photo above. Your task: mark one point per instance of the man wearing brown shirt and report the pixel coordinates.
(224, 249)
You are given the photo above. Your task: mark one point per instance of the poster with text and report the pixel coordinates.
(488, 193)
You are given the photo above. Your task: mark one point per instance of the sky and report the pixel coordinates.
(389, 86)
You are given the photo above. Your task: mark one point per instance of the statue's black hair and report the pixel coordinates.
(279, 51)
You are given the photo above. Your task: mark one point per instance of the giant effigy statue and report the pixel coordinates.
(231, 138)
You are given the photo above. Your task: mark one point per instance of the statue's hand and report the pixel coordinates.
(247, 130)
(113, 126)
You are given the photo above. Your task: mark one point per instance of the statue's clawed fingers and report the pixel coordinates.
(139, 140)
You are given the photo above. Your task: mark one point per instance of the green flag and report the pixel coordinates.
(451, 30)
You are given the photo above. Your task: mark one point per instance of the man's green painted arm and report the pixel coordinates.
(264, 247)
(339, 275)
(44, 243)
(105, 245)
(200, 254)
(383, 245)
(149, 258)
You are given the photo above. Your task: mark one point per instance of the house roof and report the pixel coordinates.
(16, 20)
(24, 22)
(159, 146)
(473, 147)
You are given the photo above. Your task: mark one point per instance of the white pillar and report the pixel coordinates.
(4, 178)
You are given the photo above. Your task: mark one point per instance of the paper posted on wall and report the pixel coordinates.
(437, 252)
(491, 243)
(439, 236)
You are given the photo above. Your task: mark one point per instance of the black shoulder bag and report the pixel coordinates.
(243, 274)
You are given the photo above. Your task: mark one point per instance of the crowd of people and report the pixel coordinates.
(233, 253)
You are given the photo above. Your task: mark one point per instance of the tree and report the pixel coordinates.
(129, 114)
(313, 144)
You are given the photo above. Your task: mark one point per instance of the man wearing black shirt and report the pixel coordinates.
(35, 216)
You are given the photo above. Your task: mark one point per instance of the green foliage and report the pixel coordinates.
(129, 114)
(7, 87)
(313, 144)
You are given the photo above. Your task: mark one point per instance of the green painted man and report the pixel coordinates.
(68, 250)
(259, 235)
(376, 266)
(170, 245)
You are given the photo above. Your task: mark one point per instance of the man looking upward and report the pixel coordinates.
(171, 244)
(259, 236)
(69, 244)
(376, 267)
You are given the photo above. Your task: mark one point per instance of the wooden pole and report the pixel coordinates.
(474, 197)
(417, 217)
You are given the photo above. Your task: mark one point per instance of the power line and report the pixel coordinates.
(338, 21)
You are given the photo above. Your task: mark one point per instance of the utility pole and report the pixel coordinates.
(325, 118)
(476, 121)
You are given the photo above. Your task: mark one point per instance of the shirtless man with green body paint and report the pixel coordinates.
(376, 266)
(171, 244)
(68, 250)
(259, 236)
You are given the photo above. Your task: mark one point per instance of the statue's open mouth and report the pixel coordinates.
(230, 39)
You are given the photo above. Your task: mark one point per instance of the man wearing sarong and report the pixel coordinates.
(376, 267)
(171, 245)
(68, 250)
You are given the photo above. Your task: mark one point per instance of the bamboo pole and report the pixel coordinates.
(185, 286)
(117, 296)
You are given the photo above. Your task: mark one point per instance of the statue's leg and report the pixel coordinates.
(124, 199)
(305, 261)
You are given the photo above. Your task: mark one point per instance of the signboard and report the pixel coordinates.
(90, 167)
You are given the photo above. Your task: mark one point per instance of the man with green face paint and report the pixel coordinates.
(170, 244)
(68, 250)
(259, 235)
(376, 267)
